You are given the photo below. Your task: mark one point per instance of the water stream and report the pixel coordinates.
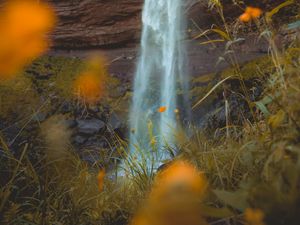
(161, 82)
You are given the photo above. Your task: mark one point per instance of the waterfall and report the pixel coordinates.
(160, 82)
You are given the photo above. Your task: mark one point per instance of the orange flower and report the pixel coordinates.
(100, 179)
(250, 13)
(24, 26)
(90, 85)
(254, 217)
(254, 12)
(183, 174)
(23, 18)
(245, 17)
(140, 219)
(162, 109)
(175, 197)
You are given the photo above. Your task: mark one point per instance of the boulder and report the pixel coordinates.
(90, 127)
(117, 125)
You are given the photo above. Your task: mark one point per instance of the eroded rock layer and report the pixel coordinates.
(97, 23)
(117, 23)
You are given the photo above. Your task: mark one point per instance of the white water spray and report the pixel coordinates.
(160, 80)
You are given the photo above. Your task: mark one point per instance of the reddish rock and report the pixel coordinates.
(97, 23)
(102, 23)
(117, 23)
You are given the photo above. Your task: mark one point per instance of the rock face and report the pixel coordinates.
(117, 23)
(109, 23)
(96, 23)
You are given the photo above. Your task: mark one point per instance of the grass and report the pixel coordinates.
(19, 90)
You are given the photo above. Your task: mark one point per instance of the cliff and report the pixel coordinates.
(117, 23)
(97, 23)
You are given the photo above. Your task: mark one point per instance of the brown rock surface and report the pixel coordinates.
(117, 23)
(96, 23)
(108, 23)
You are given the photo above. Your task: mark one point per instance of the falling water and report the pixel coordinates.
(160, 80)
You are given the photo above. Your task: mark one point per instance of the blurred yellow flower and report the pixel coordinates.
(175, 198)
(90, 85)
(254, 217)
(24, 26)
(162, 109)
(100, 179)
(180, 173)
(254, 12)
(245, 17)
(250, 13)
(140, 219)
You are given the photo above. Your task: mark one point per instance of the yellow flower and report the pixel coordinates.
(245, 17)
(153, 141)
(250, 13)
(162, 109)
(100, 179)
(90, 85)
(24, 26)
(254, 217)
(140, 219)
(180, 173)
(254, 12)
(178, 189)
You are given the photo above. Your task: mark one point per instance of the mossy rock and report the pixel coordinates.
(55, 75)
(17, 99)
(255, 69)
(211, 112)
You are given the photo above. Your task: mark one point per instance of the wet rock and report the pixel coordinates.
(40, 117)
(103, 113)
(116, 125)
(79, 140)
(114, 122)
(39, 75)
(32, 72)
(212, 116)
(48, 66)
(93, 110)
(90, 158)
(44, 76)
(70, 123)
(91, 126)
(66, 107)
(97, 143)
(120, 91)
